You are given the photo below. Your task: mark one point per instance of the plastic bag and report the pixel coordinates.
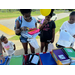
(65, 39)
(33, 43)
(50, 47)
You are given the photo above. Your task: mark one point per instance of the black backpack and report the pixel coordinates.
(30, 58)
(59, 46)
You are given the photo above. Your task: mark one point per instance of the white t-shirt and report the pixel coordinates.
(28, 24)
(68, 27)
(9, 48)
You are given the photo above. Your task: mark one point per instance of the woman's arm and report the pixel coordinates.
(41, 26)
(36, 25)
(17, 30)
(14, 47)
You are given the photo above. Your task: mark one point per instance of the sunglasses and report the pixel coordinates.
(27, 17)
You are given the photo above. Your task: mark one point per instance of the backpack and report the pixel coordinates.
(20, 22)
(59, 46)
(30, 59)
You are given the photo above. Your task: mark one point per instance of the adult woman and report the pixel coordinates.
(27, 21)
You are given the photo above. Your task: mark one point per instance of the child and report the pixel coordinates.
(47, 29)
(69, 26)
(8, 46)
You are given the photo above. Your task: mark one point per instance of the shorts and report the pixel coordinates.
(45, 40)
(23, 40)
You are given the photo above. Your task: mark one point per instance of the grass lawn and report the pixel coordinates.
(4, 15)
(8, 15)
(15, 14)
(58, 25)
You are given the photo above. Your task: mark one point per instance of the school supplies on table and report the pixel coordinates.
(60, 57)
(72, 64)
(31, 59)
(71, 54)
(47, 59)
(16, 60)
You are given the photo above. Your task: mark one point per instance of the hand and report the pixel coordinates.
(52, 40)
(24, 28)
(17, 31)
(14, 48)
(45, 22)
(74, 36)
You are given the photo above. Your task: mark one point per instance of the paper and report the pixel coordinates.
(26, 35)
(65, 36)
(65, 39)
(69, 50)
(61, 56)
(35, 35)
(72, 58)
(30, 57)
(33, 43)
(35, 59)
(64, 43)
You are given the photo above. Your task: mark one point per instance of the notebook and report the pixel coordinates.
(71, 53)
(72, 64)
(16, 60)
(47, 59)
(59, 55)
(35, 59)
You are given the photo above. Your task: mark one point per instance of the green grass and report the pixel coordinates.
(35, 13)
(15, 14)
(15, 38)
(4, 15)
(58, 25)
(8, 15)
